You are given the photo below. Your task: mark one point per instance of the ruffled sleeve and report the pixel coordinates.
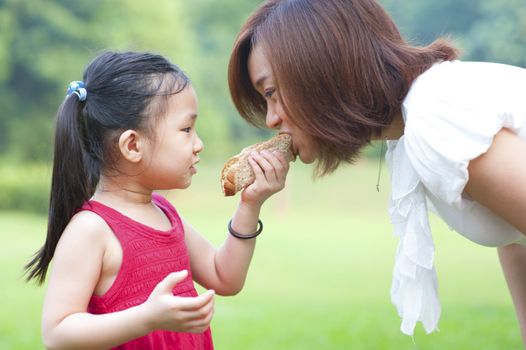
(452, 113)
(414, 290)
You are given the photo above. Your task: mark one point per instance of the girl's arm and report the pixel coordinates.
(77, 266)
(497, 181)
(225, 269)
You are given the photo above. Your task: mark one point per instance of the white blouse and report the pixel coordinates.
(451, 113)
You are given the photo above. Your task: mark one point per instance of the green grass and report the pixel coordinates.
(320, 276)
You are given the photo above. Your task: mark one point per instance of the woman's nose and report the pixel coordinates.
(272, 119)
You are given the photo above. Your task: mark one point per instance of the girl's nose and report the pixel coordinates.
(272, 119)
(199, 145)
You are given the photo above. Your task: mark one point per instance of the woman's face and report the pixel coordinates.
(262, 80)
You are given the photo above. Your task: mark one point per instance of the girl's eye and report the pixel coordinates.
(187, 129)
(268, 93)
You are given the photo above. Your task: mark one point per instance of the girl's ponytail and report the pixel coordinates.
(119, 91)
(74, 179)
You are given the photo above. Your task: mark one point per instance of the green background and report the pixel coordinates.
(321, 274)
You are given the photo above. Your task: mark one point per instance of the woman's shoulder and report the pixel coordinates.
(464, 85)
(455, 103)
(452, 113)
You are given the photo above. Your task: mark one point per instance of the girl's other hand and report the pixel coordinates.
(271, 170)
(178, 314)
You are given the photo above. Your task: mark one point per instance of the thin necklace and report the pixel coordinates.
(382, 149)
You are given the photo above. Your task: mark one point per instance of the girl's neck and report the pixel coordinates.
(115, 189)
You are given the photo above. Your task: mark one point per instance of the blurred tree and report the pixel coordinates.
(423, 21)
(500, 33)
(40, 44)
(46, 44)
(216, 24)
(485, 30)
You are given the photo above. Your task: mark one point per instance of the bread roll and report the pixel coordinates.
(237, 172)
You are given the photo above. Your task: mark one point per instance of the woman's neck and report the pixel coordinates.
(395, 130)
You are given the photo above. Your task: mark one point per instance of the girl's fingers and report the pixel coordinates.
(270, 165)
(201, 320)
(277, 159)
(270, 169)
(256, 168)
(192, 316)
(282, 165)
(263, 162)
(195, 303)
(200, 325)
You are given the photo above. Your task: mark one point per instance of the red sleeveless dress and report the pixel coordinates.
(149, 255)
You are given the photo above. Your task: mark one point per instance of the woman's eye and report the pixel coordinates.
(268, 93)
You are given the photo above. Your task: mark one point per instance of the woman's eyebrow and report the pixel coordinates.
(260, 80)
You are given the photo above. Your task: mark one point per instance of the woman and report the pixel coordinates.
(336, 74)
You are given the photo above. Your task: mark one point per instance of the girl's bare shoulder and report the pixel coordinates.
(88, 229)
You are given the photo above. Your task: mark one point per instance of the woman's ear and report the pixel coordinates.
(132, 146)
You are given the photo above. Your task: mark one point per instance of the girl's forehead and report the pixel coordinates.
(183, 103)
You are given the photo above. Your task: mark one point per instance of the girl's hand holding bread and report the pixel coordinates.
(260, 169)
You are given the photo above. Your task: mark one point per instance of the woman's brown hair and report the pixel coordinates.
(340, 67)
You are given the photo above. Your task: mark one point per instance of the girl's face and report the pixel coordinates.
(175, 147)
(261, 77)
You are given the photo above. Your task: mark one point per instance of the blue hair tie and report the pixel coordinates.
(78, 88)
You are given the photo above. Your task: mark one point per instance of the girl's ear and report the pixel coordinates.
(132, 146)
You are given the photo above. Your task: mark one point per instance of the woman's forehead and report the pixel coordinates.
(258, 67)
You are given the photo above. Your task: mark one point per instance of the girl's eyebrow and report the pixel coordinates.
(192, 116)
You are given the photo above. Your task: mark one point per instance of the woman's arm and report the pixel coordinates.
(225, 269)
(77, 266)
(497, 180)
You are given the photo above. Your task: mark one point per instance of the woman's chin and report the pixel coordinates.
(306, 158)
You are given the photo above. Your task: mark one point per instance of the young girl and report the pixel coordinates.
(124, 260)
(336, 74)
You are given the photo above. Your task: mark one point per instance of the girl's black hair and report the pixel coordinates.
(123, 91)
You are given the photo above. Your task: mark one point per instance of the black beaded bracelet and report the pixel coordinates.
(241, 236)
